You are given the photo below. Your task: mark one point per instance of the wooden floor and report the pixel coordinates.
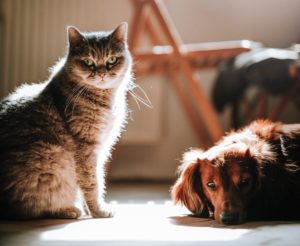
(145, 216)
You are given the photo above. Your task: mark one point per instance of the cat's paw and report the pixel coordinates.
(103, 213)
(65, 213)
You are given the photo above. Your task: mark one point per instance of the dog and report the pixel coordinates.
(250, 174)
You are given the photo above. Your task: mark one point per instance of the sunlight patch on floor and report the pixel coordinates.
(149, 221)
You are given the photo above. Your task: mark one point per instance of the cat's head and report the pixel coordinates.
(100, 59)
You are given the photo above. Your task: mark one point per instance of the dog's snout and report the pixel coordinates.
(230, 218)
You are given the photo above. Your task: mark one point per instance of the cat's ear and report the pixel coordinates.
(120, 32)
(74, 36)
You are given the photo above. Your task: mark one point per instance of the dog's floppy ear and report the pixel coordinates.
(255, 168)
(186, 188)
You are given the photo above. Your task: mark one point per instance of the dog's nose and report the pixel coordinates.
(230, 218)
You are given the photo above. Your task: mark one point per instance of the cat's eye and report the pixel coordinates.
(112, 60)
(89, 62)
(211, 185)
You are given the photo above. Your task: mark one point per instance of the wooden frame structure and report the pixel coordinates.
(180, 61)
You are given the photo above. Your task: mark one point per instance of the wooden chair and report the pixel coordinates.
(179, 60)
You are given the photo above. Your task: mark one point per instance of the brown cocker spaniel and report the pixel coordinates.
(251, 174)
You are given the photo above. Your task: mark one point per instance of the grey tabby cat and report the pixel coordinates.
(55, 137)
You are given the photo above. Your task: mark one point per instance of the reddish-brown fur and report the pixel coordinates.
(253, 173)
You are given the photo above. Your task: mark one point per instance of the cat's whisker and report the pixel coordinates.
(71, 97)
(76, 97)
(144, 100)
(140, 99)
(136, 101)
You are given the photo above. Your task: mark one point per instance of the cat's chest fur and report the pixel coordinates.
(95, 124)
(112, 121)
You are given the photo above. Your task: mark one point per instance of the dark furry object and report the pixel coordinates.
(264, 67)
(251, 174)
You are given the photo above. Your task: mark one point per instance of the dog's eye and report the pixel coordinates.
(244, 183)
(211, 185)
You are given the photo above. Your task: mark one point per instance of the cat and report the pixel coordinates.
(56, 136)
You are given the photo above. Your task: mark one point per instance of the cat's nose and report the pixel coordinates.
(102, 75)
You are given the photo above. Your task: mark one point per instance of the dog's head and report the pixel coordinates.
(219, 186)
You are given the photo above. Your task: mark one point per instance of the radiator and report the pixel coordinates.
(33, 37)
(33, 33)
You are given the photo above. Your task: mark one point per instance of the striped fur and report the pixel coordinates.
(55, 137)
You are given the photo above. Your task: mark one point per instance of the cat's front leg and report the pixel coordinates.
(92, 185)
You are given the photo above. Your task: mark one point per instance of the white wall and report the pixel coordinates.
(273, 22)
(33, 36)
